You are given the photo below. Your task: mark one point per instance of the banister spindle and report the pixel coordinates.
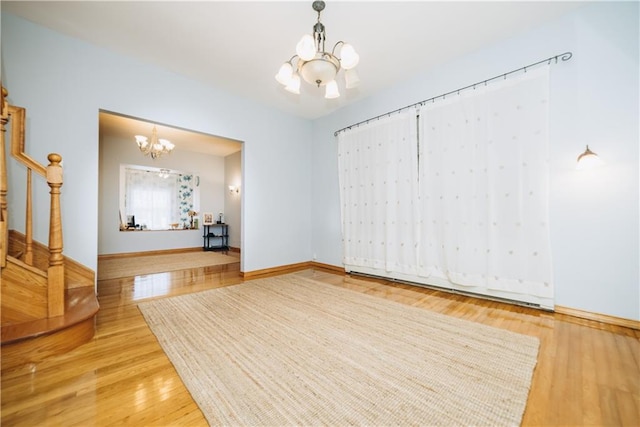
(28, 232)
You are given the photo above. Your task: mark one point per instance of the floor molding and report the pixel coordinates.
(145, 253)
(328, 267)
(289, 268)
(603, 318)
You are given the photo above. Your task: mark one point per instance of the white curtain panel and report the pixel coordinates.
(152, 199)
(378, 187)
(484, 185)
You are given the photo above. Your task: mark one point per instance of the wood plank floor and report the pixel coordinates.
(588, 373)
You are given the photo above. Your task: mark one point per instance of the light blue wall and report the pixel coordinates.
(233, 201)
(594, 100)
(64, 82)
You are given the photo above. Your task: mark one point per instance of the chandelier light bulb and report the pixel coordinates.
(306, 48)
(349, 58)
(332, 90)
(141, 141)
(285, 73)
(294, 84)
(166, 144)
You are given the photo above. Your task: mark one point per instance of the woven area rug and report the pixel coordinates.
(139, 265)
(289, 350)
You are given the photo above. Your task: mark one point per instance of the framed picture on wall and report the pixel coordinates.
(207, 218)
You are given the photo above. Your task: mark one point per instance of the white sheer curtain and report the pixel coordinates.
(152, 199)
(378, 186)
(484, 188)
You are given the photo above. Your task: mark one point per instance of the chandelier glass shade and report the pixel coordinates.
(316, 66)
(155, 147)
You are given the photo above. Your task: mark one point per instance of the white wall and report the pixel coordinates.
(64, 82)
(233, 201)
(115, 151)
(594, 216)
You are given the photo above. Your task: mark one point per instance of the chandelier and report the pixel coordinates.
(156, 147)
(317, 66)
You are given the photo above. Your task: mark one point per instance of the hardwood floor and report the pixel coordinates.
(588, 373)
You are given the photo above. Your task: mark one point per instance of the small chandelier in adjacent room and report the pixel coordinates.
(316, 66)
(156, 147)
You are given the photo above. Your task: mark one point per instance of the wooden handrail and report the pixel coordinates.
(18, 115)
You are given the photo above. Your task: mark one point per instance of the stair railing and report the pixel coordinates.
(53, 175)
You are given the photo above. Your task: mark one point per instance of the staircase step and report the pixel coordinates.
(33, 341)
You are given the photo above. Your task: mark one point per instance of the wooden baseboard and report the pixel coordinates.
(328, 267)
(603, 318)
(273, 271)
(76, 275)
(290, 268)
(146, 253)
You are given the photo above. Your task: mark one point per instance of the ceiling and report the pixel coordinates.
(119, 126)
(238, 46)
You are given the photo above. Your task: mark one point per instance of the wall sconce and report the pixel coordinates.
(588, 160)
(234, 189)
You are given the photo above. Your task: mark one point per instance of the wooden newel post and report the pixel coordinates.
(56, 260)
(4, 237)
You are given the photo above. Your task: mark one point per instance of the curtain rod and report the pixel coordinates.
(563, 56)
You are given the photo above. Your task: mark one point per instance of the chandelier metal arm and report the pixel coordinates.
(333, 51)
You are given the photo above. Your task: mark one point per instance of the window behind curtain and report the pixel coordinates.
(156, 199)
(469, 211)
(378, 168)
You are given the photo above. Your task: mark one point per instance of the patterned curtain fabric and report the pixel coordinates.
(185, 198)
(484, 187)
(378, 186)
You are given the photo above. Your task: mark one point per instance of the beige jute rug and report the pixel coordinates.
(116, 268)
(289, 350)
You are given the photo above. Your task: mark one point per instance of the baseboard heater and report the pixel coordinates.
(452, 290)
